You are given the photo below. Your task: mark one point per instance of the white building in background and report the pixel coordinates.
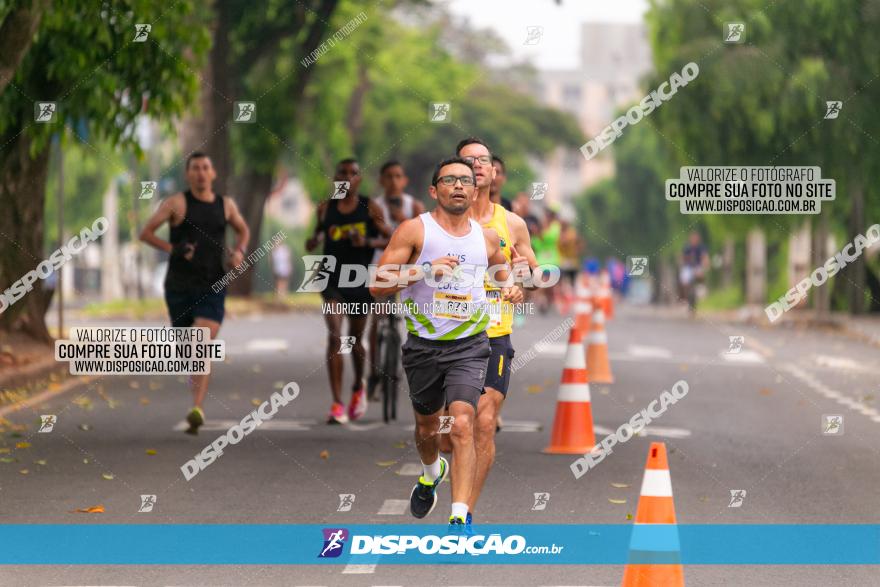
(614, 57)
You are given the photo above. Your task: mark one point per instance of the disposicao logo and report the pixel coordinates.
(334, 541)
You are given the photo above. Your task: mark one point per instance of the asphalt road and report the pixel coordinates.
(751, 421)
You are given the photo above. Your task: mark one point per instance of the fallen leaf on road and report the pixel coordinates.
(704, 498)
(604, 390)
(256, 401)
(629, 516)
(325, 454)
(15, 435)
(617, 501)
(620, 485)
(85, 461)
(385, 463)
(683, 367)
(108, 476)
(256, 368)
(145, 401)
(134, 384)
(53, 377)
(22, 445)
(549, 381)
(24, 471)
(85, 427)
(278, 385)
(400, 444)
(154, 385)
(54, 386)
(766, 391)
(7, 460)
(151, 451)
(83, 402)
(95, 509)
(535, 389)
(5, 450)
(234, 396)
(41, 462)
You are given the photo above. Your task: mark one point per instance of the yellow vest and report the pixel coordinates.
(499, 326)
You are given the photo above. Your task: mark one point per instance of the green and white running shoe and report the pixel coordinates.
(424, 495)
(195, 418)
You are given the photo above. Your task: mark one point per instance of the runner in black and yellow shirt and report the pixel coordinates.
(517, 249)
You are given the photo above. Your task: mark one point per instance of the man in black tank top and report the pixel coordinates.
(351, 229)
(198, 220)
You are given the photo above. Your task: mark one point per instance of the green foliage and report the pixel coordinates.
(628, 214)
(84, 60)
(403, 70)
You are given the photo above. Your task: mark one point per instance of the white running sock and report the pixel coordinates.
(432, 471)
(459, 510)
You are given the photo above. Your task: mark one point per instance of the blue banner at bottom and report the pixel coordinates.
(491, 544)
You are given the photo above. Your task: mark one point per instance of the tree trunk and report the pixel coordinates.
(756, 267)
(355, 118)
(821, 295)
(728, 257)
(22, 191)
(251, 192)
(208, 131)
(855, 271)
(16, 36)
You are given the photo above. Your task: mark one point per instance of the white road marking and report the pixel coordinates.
(654, 352)
(843, 364)
(551, 348)
(393, 507)
(744, 356)
(411, 469)
(660, 431)
(267, 425)
(825, 391)
(261, 345)
(520, 426)
(506, 425)
(353, 569)
(364, 427)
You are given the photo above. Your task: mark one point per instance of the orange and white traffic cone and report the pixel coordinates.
(597, 350)
(583, 306)
(573, 424)
(654, 552)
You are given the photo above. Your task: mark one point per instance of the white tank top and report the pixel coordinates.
(453, 310)
(408, 209)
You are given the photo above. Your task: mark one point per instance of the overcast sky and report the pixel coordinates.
(558, 47)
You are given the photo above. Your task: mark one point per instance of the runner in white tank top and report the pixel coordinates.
(397, 206)
(447, 349)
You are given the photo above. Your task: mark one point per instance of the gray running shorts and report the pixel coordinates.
(440, 372)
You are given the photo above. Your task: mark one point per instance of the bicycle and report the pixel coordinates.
(389, 341)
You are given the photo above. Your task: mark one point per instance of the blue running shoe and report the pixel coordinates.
(424, 495)
(456, 525)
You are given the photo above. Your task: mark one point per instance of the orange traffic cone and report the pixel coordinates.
(573, 423)
(583, 307)
(597, 350)
(654, 557)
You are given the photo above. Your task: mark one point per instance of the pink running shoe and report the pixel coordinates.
(337, 414)
(358, 406)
